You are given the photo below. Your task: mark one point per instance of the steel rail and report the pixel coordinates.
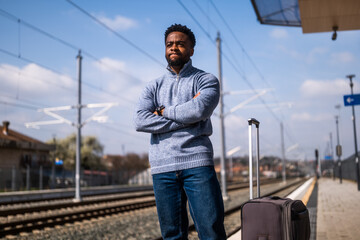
(32, 223)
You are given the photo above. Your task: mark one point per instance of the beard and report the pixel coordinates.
(177, 62)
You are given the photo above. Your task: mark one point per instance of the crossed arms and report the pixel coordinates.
(179, 116)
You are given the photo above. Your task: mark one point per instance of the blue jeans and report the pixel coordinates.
(201, 188)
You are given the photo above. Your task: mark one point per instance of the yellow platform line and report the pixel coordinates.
(307, 195)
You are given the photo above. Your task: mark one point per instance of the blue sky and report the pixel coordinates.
(304, 72)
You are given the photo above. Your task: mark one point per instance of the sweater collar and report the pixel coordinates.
(186, 68)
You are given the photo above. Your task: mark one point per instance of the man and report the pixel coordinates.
(176, 110)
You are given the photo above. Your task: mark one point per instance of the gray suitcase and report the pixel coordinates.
(272, 218)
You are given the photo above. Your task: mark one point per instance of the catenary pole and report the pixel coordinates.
(338, 148)
(283, 153)
(222, 129)
(355, 140)
(78, 136)
(331, 146)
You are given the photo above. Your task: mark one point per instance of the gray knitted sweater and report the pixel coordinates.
(179, 138)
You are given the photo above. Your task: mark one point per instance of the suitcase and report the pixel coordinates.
(271, 218)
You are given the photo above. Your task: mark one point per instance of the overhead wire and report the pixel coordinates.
(28, 60)
(229, 61)
(56, 84)
(251, 61)
(239, 43)
(43, 66)
(72, 46)
(51, 36)
(116, 33)
(242, 48)
(197, 22)
(18, 105)
(249, 58)
(213, 24)
(33, 103)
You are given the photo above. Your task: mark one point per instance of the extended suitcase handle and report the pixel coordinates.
(252, 121)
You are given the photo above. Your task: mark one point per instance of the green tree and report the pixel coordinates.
(91, 152)
(129, 162)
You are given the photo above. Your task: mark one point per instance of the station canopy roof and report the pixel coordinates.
(312, 15)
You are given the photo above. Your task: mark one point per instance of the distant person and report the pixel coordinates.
(176, 110)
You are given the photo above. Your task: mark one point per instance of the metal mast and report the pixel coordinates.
(338, 148)
(355, 140)
(222, 129)
(283, 152)
(78, 136)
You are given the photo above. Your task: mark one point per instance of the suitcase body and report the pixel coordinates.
(271, 218)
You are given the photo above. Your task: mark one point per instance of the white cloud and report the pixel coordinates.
(305, 116)
(315, 53)
(291, 52)
(235, 124)
(342, 57)
(115, 75)
(119, 22)
(119, 78)
(110, 65)
(310, 57)
(311, 88)
(279, 33)
(122, 74)
(32, 79)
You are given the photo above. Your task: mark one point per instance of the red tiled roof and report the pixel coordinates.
(16, 136)
(18, 140)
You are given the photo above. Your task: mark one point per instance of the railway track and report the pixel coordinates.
(22, 207)
(22, 218)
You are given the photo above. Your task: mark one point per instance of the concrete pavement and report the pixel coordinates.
(338, 210)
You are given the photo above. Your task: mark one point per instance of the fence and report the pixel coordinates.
(348, 168)
(37, 177)
(15, 179)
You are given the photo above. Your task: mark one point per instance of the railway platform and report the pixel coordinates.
(334, 209)
(338, 210)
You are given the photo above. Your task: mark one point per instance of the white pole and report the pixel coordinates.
(250, 165)
(222, 129)
(283, 153)
(78, 136)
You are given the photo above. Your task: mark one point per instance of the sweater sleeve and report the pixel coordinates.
(201, 107)
(146, 121)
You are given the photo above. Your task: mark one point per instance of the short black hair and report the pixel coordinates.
(181, 28)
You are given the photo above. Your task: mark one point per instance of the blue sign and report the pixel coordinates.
(59, 162)
(350, 100)
(328, 157)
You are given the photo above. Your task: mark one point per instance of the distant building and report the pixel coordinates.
(129, 168)
(16, 152)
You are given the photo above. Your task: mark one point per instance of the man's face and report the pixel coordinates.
(178, 49)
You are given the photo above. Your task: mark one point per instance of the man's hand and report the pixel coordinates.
(162, 108)
(196, 95)
(161, 111)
